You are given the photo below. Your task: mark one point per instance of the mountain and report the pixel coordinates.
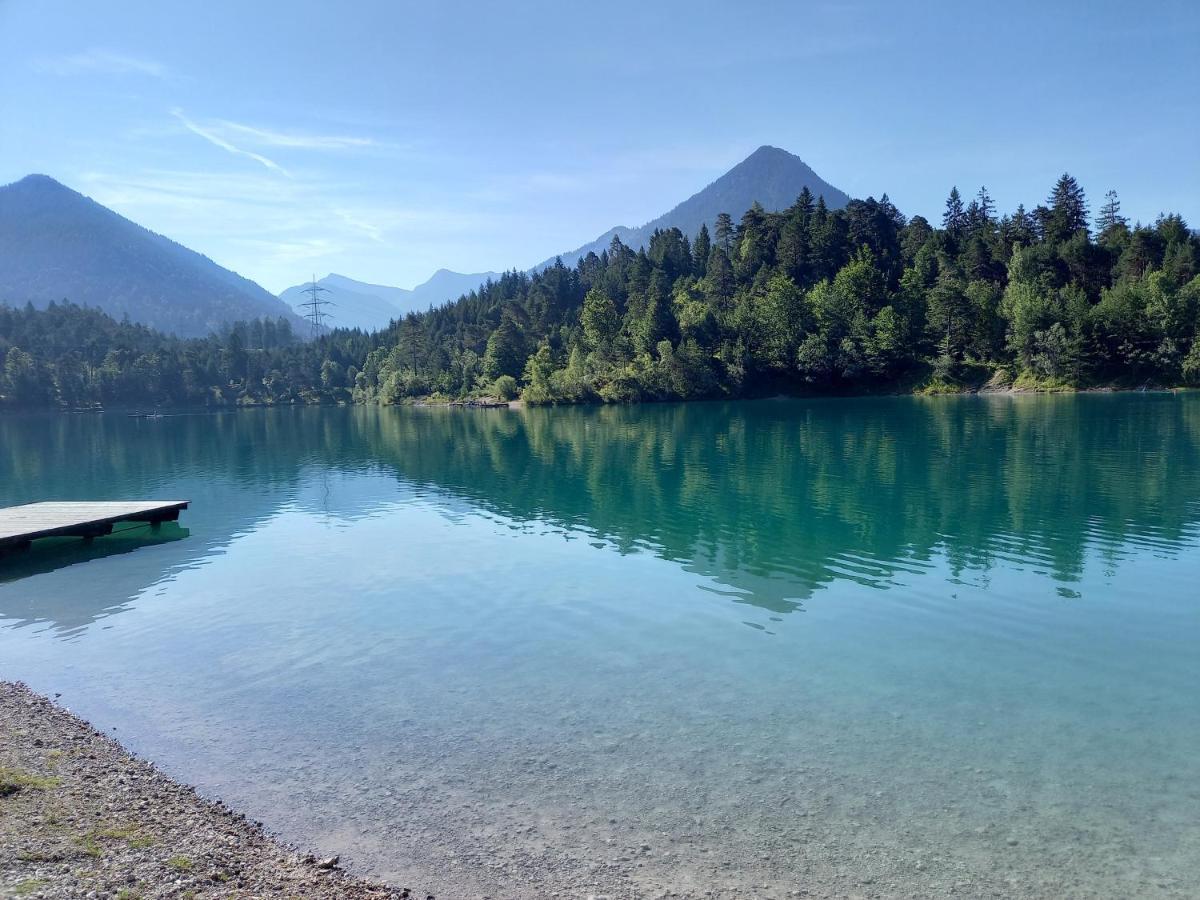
(56, 244)
(445, 285)
(355, 304)
(358, 304)
(769, 176)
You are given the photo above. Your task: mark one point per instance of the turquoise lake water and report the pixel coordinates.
(893, 647)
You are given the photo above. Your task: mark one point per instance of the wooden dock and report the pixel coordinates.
(20, 525)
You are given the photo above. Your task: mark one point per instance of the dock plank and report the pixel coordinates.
(21, 524)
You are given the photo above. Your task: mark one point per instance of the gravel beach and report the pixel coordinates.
(81, 817)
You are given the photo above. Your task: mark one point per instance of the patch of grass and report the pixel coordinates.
(131, 834)
(28, 886)
(90, 846)
(181, 863)
(128, 894)
(1027, 381)
(1001, 378)
(119, 833)
(14, 780)
(936, 386)
(54, 818)
(36, 856)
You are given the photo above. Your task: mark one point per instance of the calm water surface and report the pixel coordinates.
(885, 648)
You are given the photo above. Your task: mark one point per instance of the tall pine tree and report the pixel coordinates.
(955, 217)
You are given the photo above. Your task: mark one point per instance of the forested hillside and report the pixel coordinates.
(56, 245)
(75, 357)
(829, 301)
(808, 299)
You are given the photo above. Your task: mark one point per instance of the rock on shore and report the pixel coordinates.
(81, 817)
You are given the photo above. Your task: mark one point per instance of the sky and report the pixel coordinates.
(385, 140)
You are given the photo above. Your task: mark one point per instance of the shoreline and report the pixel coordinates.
(975, 389)
(80, 816)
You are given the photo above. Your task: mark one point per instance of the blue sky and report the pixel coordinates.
(383, 140)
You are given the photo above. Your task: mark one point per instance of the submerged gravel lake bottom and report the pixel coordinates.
(879, 647)
(82, 818)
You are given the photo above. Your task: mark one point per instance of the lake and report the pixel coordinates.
(889, 647)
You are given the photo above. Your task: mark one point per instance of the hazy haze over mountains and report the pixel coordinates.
(358, 304)
(56, 244)
(771, 177)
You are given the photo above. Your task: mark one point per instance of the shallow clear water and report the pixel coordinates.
(897, 647)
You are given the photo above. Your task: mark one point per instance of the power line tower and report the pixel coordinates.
(315, 305)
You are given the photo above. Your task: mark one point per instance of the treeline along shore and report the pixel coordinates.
(810, 299)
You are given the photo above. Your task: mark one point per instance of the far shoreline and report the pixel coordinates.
(488, 402)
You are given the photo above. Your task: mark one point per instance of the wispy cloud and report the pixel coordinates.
(237, 138)
(361, 224)
(286, 253)
(217, 140)
(268, 138)
(98, 61)
(276, 229)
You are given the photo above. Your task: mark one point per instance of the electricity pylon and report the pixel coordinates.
(316, 314)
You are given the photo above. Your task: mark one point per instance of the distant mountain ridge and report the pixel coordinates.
(56, 244)
(769, 176)
(350, 308)
(359, 304)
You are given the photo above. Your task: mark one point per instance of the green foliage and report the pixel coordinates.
(13, 781)
(539, 370)
(505, 388)
(1068, 210)
(600, 321)
(504, 353)
(850, 299)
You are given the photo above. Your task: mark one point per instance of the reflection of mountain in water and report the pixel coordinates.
(773, 498)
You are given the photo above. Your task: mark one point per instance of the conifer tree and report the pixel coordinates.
(955, 218)
(724, 231)
(700, 251)
(1068, 209)
(987, 208)
(1110, 213)
(505, 352)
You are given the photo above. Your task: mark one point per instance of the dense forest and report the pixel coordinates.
(807, 299)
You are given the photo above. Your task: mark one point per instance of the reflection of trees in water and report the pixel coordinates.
(772, 498)
(72, 610)
(778, 497)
